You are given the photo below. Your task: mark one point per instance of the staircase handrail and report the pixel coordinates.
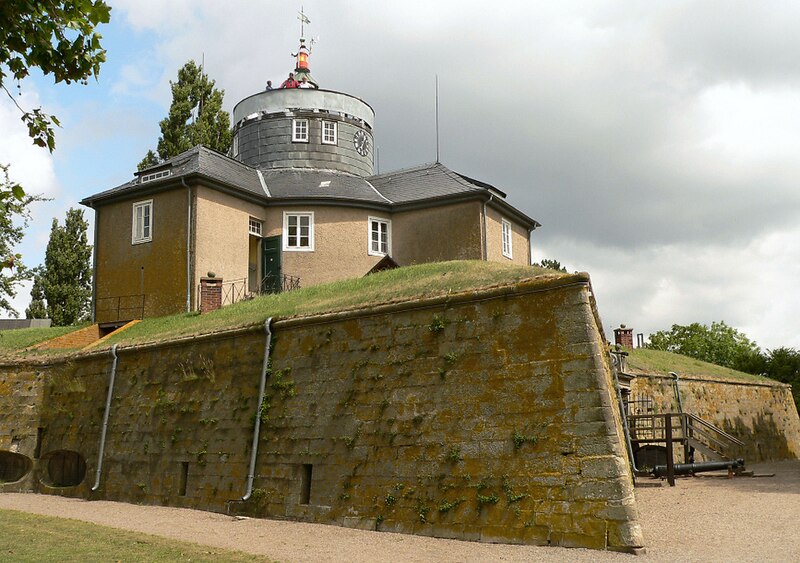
(704, 423)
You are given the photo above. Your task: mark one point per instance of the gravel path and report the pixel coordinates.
(701, 519)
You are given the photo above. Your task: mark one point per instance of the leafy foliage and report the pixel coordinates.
(59, 38)
(195, 117)
(14, 218)
(783, 364)
(66, 276)
(718, 344)
(37, 309)
(551, 265)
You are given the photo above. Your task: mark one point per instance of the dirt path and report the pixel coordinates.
(701, 519)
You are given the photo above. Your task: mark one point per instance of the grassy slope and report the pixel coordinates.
(642, 360)
(402, 284)
(24, 337)
(30, 537)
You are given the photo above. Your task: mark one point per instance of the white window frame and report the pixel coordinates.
(507, 235)
(300, 126)
(156, 175)
(236, 145)
(381, 221)
(335, 129)
(297, 247)
(255, 227)
(141, 233)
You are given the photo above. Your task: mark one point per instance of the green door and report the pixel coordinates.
(271, 279)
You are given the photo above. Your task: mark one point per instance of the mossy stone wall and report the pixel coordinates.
(486, 416)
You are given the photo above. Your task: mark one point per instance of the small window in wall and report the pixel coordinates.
(300, 130)
(142, 228)
(379, 236)
(305, 483)
(236, 145)
(328, 132)
(155, 175)
(298, 231)
(255, 227)
(507, 249)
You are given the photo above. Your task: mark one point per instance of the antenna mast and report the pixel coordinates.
(437, 118)
(303, 20)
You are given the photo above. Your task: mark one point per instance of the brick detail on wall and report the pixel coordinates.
(210, 294)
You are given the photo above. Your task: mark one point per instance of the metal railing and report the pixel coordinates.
(237, 290)
(119, 308)
(279, 284)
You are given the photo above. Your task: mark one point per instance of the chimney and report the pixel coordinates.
(623, 336)
(210, 293)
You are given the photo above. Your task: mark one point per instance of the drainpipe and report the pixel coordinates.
(105, 418)
(485, 237)
(677, 391)
(624, 416)
(254, 450)
(188, 245)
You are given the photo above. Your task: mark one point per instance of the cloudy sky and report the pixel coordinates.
(656, 142)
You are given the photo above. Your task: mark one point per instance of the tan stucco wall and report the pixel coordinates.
(222, 242)
(341, 237)
(494, 239)
(156, 269)
(449, 232)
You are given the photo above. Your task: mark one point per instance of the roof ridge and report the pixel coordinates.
(427, 165)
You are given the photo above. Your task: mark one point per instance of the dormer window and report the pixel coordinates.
(155, 175)
(300, 130)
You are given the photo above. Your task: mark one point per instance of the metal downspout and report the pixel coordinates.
(677, 391)
(485, 236)
(105, 418)
(188, 245)
(624, 417)
(254, 450)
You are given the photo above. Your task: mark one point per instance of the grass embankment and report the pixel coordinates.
(402, 284)
(643, 360)
(19, 339)
(30, 537)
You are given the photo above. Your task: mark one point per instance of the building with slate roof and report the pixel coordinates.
(295, 203)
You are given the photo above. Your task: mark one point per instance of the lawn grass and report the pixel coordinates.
(643, 360)
(31, 537)
(23, 337)
(412, 282)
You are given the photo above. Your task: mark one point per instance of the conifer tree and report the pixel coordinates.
(66, 276)
(37, 309)
(195, 117)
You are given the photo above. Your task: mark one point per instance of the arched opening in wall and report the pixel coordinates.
(13, 466)
(649, 456)
(65, 468)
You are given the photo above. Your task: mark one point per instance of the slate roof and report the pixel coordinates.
(429, 181)
(419, 185)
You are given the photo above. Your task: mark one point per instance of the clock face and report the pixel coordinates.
(361, 143)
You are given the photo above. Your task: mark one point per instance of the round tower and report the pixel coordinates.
(304, 127)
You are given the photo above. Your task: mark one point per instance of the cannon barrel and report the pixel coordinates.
(687, 468)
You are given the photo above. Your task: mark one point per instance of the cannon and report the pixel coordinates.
(690, 468)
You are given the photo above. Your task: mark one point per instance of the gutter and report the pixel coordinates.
(104, 429)
(257, 430)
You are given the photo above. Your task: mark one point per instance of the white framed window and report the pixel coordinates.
(508, 251)
(298, 230)
(156, 175)
(236, 145)
(329, 133)
(300, 130)
(380, 233)
(142, 227)
(255, 227)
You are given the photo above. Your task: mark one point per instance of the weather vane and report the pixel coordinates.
(303, 20)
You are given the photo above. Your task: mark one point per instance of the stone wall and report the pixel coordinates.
(761, 414)
(485, 416)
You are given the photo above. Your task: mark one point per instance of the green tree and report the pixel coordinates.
(56, 36)
(14, 218)
(718, 344)
(551, 265)
(67, 275)
(37, 309)
(783, 364)
(195, 117)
